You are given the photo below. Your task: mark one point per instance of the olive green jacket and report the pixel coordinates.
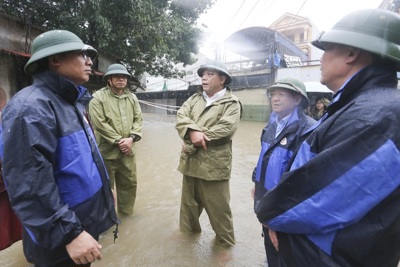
(114, 117)
(219, 122)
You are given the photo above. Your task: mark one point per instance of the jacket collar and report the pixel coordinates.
(60, 85)
(227, 97)
(124, 93)
(291, 118)
(373, 76)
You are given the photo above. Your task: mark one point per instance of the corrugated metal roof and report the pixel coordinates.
(17, 53)
(261, 42)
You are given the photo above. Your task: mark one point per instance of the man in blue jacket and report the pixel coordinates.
(54, 174)
(339, 204)
(280, 139)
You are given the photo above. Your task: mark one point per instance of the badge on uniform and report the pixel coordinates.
(284, 141)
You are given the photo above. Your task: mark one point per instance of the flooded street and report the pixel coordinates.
(151, 236)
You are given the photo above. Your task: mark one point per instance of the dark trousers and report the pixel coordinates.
(274, 260)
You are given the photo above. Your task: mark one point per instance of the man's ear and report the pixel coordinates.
(54, 61)
(352, 54)
(223, 79)
(298, 99)
(109, 79)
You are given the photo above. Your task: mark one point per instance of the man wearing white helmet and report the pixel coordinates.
(117, 121)
(55, 176)
(339, 204)
(206, 123)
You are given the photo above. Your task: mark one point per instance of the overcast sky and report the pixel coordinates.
(229, 16)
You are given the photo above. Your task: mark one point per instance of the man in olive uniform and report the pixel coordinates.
(117, 121)
(206, 122)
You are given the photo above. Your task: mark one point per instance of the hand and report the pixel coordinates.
(253, 191)
(125, 145)
(84, 249)
(199, 139)
(274, 238)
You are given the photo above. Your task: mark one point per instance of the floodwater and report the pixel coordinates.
(151, 236)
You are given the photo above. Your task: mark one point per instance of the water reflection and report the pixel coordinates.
(151, 236)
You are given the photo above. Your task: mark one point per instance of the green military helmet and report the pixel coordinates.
(373, 30)
(293, 85)
(116, 69)
(218, 66)
(55, 42)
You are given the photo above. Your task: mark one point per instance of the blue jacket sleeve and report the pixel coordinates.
(30, 143)
(336, 179)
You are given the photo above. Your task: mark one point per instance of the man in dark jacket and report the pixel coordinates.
(339, 204)
(11, 229)
(280, 139)
(54, 174)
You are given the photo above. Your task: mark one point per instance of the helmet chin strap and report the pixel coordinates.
(112, 84)
(113, 87)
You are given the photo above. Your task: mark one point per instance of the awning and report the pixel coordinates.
(316, 87)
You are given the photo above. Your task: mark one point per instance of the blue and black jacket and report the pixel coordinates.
(54, 173)
(276, 153)
(340, 203)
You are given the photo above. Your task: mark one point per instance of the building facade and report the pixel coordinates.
(15, 47)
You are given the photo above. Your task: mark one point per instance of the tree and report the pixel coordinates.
(146, 35)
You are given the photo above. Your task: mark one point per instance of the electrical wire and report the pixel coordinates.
(251, 11)
(305, 1)
(160, 106)
(262, 9)
(234, 16)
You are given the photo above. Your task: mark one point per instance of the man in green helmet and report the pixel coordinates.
(206, 123)
(117, 121)
(280, 139)
(55, 176)
(339, 203)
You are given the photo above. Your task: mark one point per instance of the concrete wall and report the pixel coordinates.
(105, 61)
(309, 73)
(13, 34)
(254, 101)
(255, 112)
(158, 106)
(255, 104)
(250, 111)
(16, 52)
(8, 78)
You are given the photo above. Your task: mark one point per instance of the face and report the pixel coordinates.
(212, 82)
(334, 67)
(74, 65)
(283, 102)
(319, 105)
(118, 81)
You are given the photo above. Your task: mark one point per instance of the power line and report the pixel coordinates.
(248, 14)
(234, 16)
(251, 11)
(263, 9)
(305, 1)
